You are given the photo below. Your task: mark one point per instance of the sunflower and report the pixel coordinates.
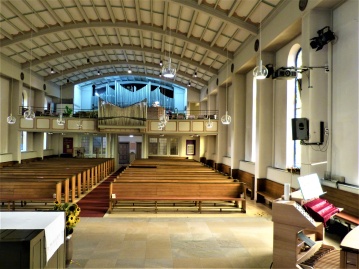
(72, 212)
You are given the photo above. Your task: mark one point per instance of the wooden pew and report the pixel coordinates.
(83, 174)
(28, 190)
(177, 191)
(247, 178)
(348, 201)
(268, 190)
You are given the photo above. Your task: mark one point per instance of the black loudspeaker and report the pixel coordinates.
(300, 129)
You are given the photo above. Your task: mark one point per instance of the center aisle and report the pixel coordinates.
(95, 204)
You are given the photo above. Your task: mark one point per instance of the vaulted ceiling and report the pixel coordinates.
(80, 38)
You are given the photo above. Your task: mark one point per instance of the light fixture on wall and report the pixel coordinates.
(168, 70)
(226, 119)
(325, 35)
(29, 114)
(260, 71)
(11, 119)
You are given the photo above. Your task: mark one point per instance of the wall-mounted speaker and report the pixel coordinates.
(300, 129)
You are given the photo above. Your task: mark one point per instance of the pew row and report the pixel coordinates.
(196, 192)
(247, 178)
(28, 191)
(348, 201)
(268, 190)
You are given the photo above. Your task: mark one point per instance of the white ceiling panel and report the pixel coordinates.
(198, 32)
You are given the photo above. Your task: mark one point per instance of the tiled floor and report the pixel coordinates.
(176, 240)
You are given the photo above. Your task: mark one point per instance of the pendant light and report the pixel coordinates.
(260, 71)
(29, 114)
(60, 120)
(226, 119)
(11, 119)
(168, 70)
(209, 123)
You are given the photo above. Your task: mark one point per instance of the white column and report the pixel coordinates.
(238, 120)
(315, 90)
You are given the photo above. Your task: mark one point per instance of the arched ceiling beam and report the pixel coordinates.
(132, 63)
(125, 74)
(252, 29)
(104, 24)
(113, 47)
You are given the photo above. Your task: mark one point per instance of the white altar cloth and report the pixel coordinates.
(52, 222)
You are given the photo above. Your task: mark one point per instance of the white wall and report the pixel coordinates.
(345, 98)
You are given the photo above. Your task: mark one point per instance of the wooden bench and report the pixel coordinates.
(268, 190)
(28, 191)
(343, 199)
(247, 178)
(196, 192)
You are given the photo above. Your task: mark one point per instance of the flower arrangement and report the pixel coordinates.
(72, 215)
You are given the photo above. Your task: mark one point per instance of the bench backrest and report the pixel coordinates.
(274, 188)
(342, 199)
(175, 189)
(27, 189)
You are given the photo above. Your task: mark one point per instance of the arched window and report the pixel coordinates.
(297, 109)
(294, 108)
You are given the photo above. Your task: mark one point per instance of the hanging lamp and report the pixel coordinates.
(209, 123)
(11, 119)
(260, 71)
(29, 114)
(60, 120)
(168, 70)
(226, 119)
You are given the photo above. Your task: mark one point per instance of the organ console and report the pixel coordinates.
(298, 241)
(298, 238)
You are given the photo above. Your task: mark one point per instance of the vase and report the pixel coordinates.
(69, 249)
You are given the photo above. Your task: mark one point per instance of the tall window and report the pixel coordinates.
(99, 145)
(85, 143)
(153, 146)
(45, 141)
(297, 108)
(173, 146)
(23, 137)
(163, 146)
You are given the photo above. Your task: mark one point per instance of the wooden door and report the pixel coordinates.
(123, 153)
(138, 150)
(68, 145)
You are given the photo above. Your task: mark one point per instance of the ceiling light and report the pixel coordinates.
(168, 70)
(29, 114)
(325, 36)
(11, 119)
(226, 119)
(129, 71)
(189, 84)
(60, 120)
(160, 74)
(52, 71)
(195, 74)
(209, 123)
(260, 71)
(98, 72)
(161, 63)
